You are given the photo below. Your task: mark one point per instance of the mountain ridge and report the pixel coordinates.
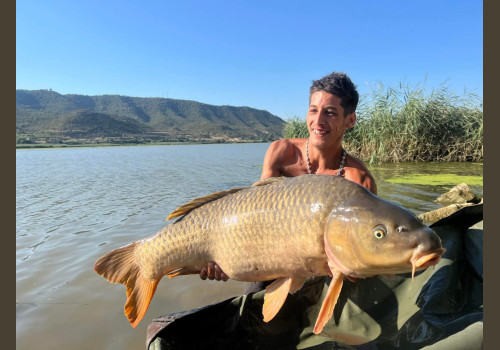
(48, 114)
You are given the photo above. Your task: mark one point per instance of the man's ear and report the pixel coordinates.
(350, 120)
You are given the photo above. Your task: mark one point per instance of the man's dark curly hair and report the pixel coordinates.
(338, 84)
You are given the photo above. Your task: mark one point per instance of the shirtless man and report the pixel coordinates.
(332, 110)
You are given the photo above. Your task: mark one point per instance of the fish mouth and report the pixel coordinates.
(421, 261)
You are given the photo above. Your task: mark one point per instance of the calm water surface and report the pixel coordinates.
(75, 205)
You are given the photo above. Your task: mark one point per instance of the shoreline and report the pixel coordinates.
(125, 144)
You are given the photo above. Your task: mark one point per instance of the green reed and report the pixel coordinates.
(295, 127)
(408, 124)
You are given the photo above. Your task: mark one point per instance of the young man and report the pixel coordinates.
(332, 110)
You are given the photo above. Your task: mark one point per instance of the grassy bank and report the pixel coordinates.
(407, 124)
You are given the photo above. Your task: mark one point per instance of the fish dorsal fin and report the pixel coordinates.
(268, 181)
(198, 202)
(332, 294)
(275, 297)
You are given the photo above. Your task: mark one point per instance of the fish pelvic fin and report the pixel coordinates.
(297, 283)
(332, 294)
(275, 297)
(182, 271)
(198, 202)
(119, 266)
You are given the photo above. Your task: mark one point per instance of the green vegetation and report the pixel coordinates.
(406, 124)
(295, 128)
(437, 179)
(47, 117)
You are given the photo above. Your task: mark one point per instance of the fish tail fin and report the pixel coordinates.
(119, 266)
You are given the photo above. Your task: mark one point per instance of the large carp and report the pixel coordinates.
(286, 229)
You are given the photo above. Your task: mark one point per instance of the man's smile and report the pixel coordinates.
(319, 132)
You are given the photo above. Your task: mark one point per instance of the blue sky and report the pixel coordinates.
(261, 54)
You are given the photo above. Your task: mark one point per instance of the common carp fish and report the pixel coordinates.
(286, 229)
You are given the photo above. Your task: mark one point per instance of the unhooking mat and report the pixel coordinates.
(442, 308)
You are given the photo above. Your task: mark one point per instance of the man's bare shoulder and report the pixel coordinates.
(357, 171)
(356, 163)
(286, 146)
(282, 157)
(285, 149)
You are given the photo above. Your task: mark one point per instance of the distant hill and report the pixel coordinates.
(48, 114)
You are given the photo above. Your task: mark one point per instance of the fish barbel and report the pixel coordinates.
(286, 229)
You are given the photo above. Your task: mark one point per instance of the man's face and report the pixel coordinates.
(325, 119)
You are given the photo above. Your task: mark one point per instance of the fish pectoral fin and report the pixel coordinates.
(182, 271)
(326, 311)
(297, 283)
(275, 296)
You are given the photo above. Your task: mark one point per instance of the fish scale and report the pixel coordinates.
(280, 228)
(242, 221)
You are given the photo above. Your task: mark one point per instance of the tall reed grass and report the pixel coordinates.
(295, 128)
(407, 124)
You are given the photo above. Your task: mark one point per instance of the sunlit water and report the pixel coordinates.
(75, 205)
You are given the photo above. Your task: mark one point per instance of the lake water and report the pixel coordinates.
(74, 205)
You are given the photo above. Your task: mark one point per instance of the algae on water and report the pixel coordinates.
(437, 179)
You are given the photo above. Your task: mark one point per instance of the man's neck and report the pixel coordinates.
(323, 159)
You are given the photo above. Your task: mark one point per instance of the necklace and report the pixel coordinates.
(342, 162)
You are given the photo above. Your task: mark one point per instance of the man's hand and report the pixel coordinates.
(213, 271)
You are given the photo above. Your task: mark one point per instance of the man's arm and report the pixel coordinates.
(359, 173)
(368, 182)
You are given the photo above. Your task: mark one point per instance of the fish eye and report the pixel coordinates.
(379, 232)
